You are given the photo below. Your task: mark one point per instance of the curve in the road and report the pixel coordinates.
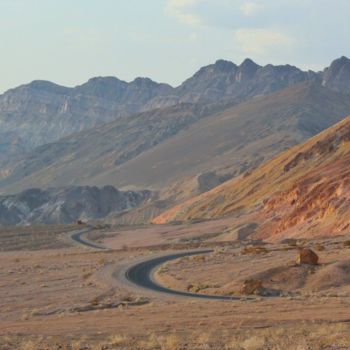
(77, 237)
(141, 275)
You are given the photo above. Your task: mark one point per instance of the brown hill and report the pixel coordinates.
(305, 191)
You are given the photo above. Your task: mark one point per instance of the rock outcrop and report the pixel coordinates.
(307, 256)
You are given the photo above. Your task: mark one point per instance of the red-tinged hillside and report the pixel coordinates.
(305, 191)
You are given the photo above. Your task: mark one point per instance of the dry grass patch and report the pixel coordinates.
(301, 336)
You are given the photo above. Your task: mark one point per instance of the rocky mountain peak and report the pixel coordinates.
(337, 75)
(143, 81)
(247, 70)
(103, 87)
(225, 66)
(46, 86)
(248, 62)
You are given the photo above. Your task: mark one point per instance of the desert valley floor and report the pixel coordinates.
(65, 295)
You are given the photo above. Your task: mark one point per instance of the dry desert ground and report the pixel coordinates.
(58, 294)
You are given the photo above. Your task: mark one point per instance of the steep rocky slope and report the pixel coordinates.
(65, 205)
(305, 191)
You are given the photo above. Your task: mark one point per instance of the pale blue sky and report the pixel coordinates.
(70, 41)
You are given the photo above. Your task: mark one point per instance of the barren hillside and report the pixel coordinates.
(303, 191)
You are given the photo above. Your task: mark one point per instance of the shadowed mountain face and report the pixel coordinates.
(156, 148)
(43, 112)
(302, 192)
(66, 205)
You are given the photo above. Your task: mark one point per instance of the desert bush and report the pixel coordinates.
(151, 343)
(253, 343)
(254, 250)
(163, 269)
(169, 342)
(95, 301)
(196, 288)
(102, 261)
(198, 258)
(117, 339)
(87, 275)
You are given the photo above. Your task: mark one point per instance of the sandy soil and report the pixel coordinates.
(66, 295)
(166, 234)
(225, 270)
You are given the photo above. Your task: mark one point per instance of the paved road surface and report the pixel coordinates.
(77, 237)
(141, 275)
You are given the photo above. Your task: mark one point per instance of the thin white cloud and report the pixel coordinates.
(193, 37)
(250, 8)
(261, 41)
(181, 9)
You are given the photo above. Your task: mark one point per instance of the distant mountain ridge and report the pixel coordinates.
(66, 205)
(155, 148)
(42, 112)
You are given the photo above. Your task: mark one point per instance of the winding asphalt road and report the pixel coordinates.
(77, 237)
(142, 273)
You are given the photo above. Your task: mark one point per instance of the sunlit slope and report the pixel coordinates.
(306, 188)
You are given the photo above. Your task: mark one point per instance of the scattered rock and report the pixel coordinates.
(307, 256)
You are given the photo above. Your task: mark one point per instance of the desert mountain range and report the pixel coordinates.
(178, 142)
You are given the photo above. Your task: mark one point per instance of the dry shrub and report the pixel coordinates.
(195, 288)
(254, 250)
(198, 258)
(204, 341)
(117, 339)
(169, 342)
(163, 269)
(102, 261)
(253, 343)
(87, 275)
(29, 345)
(151, 343)
(95, 301)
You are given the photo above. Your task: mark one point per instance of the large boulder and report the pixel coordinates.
(307, 256)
